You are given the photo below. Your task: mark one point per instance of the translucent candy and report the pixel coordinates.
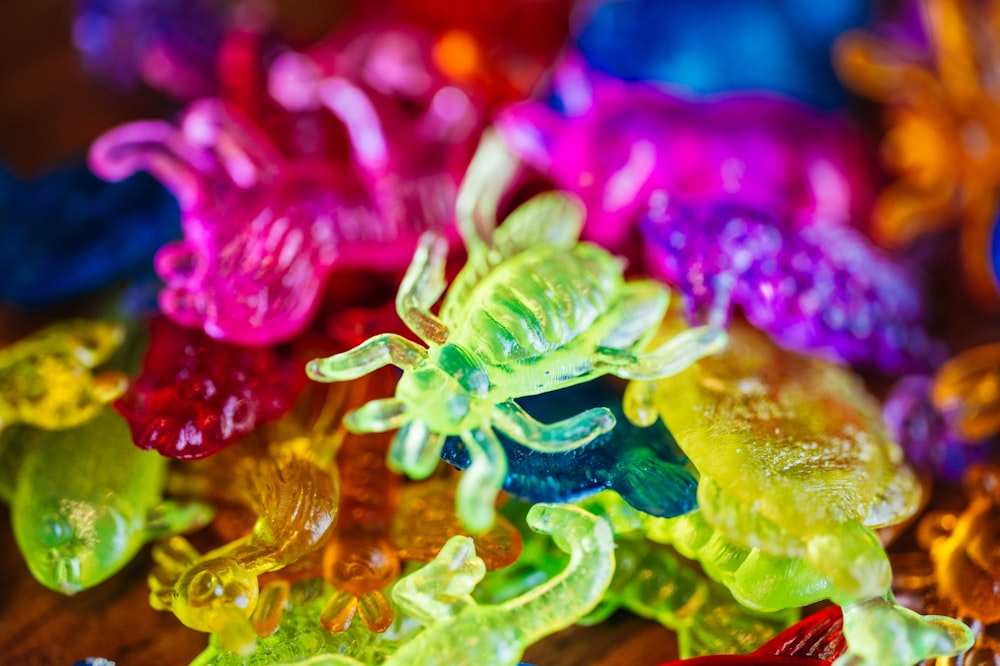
(821, 289)
(169, 46)
(929, 440)
(815, 641)
(692, 46)
(296, 497)
(46, 379)
(68, 233)
(196, 395)
(800, 443)
(644, 465)
(300, 636)
(83, 500)
(622, 146)
(262, 230)
(532, 311)
(967, 390)
(461, 631)
(942, 131)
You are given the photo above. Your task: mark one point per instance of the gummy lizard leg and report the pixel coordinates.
(667, 359)
(422, 286)
(369, 356)
(270, 607)
(378, 416)
(482, 481)
(415, 450)
(565, 435)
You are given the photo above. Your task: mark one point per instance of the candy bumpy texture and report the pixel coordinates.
(460, 631)
(533, 310)
(46, 379)
(643, 465)
(195, 395)
(296, 498)
(820, 289)
(84, 500)
(942, 133)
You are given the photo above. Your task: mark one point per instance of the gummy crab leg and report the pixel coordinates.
(415, 450)
(378, 416)
(481, 483)
(422, 286)
(565, 435)
(668, 359)
(369, 356)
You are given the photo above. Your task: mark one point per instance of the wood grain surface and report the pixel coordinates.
(50, 111)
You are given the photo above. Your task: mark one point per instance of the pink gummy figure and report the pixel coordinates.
(196, 395)
(616, 144)
(266, 224)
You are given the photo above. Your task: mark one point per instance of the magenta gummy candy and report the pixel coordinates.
(821, 289)
(616, 143)
(196, 395)
(262, 231)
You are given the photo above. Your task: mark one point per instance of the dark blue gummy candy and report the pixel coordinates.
(644, 465)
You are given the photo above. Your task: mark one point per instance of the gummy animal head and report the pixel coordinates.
(216, 595)
(73, 545)
(445, 390)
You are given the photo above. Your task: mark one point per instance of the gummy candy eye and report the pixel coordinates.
(203, 587)
(54, 530)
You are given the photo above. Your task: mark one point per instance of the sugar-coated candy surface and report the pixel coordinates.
(168, 45)
(815, 641)
(716, 46)
(196, 395)
(643, 465)
(820, 289)
(300, 636)
(966, 390)
(460, 631)
(262, 230)
(928, 438)
(797, 439)
(620, 145)
(531, 311)
(296, 497)
(68, 233)
(47, 379)
(942, 130)
(83, 500)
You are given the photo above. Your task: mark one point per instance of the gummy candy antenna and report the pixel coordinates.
(532, 311)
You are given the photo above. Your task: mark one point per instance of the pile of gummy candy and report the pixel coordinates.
(481, 320)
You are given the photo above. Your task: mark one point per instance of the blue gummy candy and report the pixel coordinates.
(719, 45)
(69, 233)
(644, 465)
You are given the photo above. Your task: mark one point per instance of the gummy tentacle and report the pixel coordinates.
(668, 359)
(378, 416)
(415, 450)
(422, 286)
(578, 588)
(247, 156)
(565, 435)
(369, 356)
(482, 481)
(152, 146)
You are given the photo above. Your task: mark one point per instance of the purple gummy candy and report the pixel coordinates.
(170, 45)
(929, 440)
(618, 143)
(820, 289)
(262, 230)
